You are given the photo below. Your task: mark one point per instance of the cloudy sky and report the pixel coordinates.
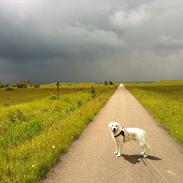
(91, 40)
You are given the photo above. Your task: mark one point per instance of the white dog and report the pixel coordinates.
(121, 135)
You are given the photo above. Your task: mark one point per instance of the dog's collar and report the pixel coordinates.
(121, 133)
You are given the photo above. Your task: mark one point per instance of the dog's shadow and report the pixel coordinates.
(136, 158)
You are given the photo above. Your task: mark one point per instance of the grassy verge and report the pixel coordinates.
(164, 100)
(35, 134)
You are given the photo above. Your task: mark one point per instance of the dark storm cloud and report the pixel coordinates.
(90, 40)
(25, 39)
(165, 45)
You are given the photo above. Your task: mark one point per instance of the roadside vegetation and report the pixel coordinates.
(36, 127)
(12, 95)
(164, 100)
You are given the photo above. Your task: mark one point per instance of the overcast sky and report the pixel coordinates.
(91, 40)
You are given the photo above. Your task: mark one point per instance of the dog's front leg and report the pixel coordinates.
(117, 146)
(119, 149)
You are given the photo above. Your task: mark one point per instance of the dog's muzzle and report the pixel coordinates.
(114, 130)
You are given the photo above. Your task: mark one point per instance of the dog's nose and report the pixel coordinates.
(114, 129)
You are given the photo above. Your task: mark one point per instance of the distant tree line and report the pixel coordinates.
(108, 82)
(19, 84)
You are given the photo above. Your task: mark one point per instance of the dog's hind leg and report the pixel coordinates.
(144, 152)
(146, 149)
(143, 149)
(144, 145)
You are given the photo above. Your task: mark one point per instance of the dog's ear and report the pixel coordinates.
(110, 124)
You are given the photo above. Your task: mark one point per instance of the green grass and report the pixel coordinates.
(35, 132)
(23, 95)
(164, 100)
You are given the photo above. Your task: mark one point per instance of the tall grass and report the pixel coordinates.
(35, 134)
(164, 101)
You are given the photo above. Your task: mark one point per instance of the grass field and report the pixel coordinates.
(35, 129)
(164, 100)
(23, 95)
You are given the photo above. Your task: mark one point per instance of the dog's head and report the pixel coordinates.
(115, 127)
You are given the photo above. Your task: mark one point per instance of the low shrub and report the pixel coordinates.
(36, 85)
(21, 84)
(16, 116)
(53, 97)
(93, 92)
(9, 89)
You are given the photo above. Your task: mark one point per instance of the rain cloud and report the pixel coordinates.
(126, 40)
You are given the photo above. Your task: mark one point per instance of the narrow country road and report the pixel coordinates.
(91, 160)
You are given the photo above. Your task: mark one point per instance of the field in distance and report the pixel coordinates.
(36, 127)
(164, 100)
(22, 95)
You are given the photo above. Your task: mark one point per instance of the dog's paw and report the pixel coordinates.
(115, 152)
(144, 154)
(118, 155)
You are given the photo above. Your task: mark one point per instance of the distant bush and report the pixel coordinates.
(105, 82)
(111, 83)
(36, 85)
(5, 104)
(22, 84)
(2, 85)
(79, 103)
(9, 89)
(30, 85)
(6, 85)
(108, 82)
(53, 97)
(93, 91)
(14, 85)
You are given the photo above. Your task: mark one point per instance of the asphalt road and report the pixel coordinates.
(91, 160)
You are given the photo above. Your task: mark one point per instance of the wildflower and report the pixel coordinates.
(53, 147)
